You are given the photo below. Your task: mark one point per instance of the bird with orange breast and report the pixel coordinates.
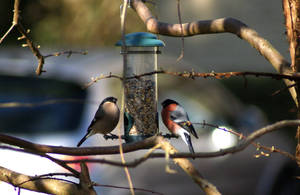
(177, 121)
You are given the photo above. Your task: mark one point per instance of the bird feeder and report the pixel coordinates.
(140, 90)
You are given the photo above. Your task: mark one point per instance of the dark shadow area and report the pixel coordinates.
(39, 105)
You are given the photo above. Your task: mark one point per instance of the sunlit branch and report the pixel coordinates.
(49, 185)
(247, 140)
(193, 75)
(222, 25)
(145, 144)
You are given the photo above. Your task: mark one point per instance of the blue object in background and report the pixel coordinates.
(141, 39)
(46, 105)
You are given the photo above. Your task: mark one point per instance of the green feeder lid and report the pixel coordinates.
(141, 39)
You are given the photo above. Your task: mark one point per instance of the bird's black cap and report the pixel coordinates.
(110, 99)
(168, 102)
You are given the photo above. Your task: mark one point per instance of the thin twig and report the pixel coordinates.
(193, 75)
(241, 136)
(29, 43)
(61, 163)
(7, 32)
(96, 79)
(15, 19)
(68, 53)
(30, 151)
(182, 37)
(33, 48)
(285, 88)
(126, 188)
(122, 106)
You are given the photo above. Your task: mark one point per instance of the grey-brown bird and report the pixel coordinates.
(105, 119)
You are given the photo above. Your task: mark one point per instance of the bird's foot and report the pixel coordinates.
(110, 136)
(169, 136)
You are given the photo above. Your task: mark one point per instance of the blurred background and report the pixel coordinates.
(60, 110)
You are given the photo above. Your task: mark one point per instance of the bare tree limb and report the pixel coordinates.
(145, 144)
(179, 158)
(74, 151)
(126, 188)
(50, 186)
(182, 37)
(222, 25)
(291, 9)
(15, 19)
(193, 75)
(68, 53)
(151, 142)
(85, 180)
(242, 145)
(29, 43)
(55, 160)
(188, 167)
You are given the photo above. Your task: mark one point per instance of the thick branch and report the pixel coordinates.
(222, 25)
(74, 151)
(85, 180)
(242, 145)
(145, 144)
(188, 167)
(49, 186)
(291, 10)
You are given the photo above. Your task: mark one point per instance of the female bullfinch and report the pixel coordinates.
(177, 121)
(105, 119)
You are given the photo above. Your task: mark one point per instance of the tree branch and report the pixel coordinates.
(193, 75)
(27, 182)
(49, 186)
(145, 144)
(85, 180)
(222, 25)
(74, 151)
(150, 142)
(126, 188)
(29, 43)
(291, 9)
(188, 167)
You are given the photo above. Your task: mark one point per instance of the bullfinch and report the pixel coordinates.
(105, 119)
(177, 121)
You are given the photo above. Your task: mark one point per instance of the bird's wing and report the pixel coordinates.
(98, 116)
(185, 136)
(180, 117)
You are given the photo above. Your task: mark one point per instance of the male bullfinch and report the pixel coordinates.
(105, 119)
(177, 121)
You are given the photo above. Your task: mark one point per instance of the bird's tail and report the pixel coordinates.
(189, 142)
(88, 134)
(187, 139)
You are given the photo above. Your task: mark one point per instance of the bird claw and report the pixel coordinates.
(111, 136)
(169, 136)
(106, 137)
